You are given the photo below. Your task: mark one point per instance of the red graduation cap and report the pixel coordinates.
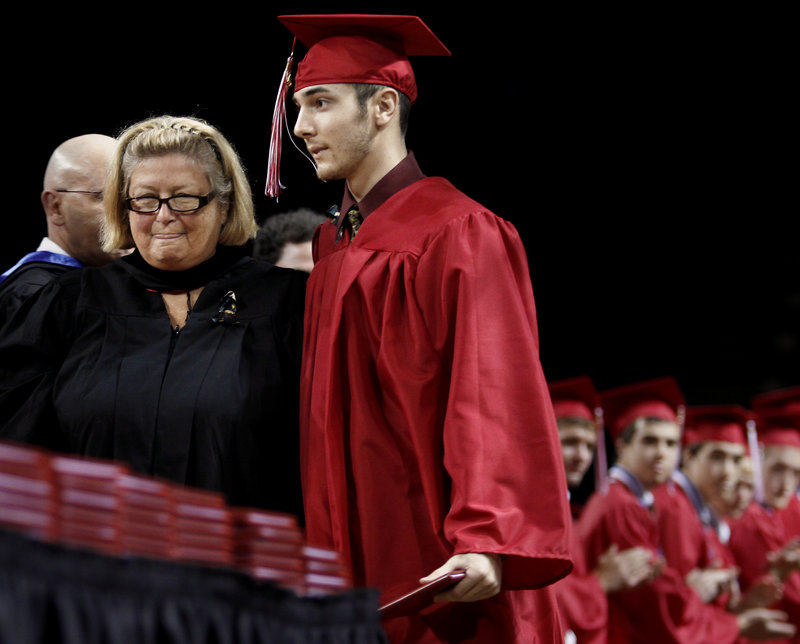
(576, 398)
(659, 398)
(780, 427)
(361, 48)
(786, 398)
(350, 48)
(723, 423)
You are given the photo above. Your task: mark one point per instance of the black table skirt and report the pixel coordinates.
(52, 594)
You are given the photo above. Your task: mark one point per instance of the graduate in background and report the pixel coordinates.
(766, 540)
(645, 421)
(582, 600)
(692, 505)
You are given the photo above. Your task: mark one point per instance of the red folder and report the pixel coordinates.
(420, 597)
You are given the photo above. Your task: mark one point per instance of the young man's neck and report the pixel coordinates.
(374, 167)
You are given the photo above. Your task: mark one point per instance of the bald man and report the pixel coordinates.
(72, 199)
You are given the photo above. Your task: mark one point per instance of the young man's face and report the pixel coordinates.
(578, 442)
(714, 470)
(781, 474)
(338, 135)
(652, 453)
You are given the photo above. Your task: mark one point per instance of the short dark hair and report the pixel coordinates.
(365, 91)
(627, 434)
(575, 421)
(292, 227)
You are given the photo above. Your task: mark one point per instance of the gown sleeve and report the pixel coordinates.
(501, 450)
(664, 611)
(33, 343)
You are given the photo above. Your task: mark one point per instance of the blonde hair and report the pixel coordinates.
(197, 140)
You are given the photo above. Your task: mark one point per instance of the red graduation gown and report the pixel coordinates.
(665, 610)
(685, 541)
(426, 424)
(790, 517)
(582, 601)
(756, 533)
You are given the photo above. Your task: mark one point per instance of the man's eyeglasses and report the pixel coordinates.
(96, 194)
(176, 203)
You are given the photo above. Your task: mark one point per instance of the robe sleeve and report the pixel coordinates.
(32, 346)
(508, 488)
(666, 610)
(753, 537)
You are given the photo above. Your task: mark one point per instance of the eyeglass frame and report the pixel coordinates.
(204, 201)
(85, 192)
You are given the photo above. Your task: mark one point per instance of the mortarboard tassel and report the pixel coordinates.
(601, 458)
(755, 457)
(274, 185)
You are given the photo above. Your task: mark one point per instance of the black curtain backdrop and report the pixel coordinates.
(643, 154)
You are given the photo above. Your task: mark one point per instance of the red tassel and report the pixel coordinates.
(274, 185)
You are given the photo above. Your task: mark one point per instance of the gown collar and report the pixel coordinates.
(619, 473)
(43, 256)
(401, 176)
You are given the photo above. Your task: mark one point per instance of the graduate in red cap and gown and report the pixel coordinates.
(765, 541)
(645, 420)
(429, 442)
(582, 600)
(692, 506)
(784, 400)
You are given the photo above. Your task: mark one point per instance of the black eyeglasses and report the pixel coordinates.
(177, 203)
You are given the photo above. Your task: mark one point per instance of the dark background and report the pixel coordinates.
(642, 154)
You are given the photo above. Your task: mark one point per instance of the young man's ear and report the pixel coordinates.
(387, 103)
